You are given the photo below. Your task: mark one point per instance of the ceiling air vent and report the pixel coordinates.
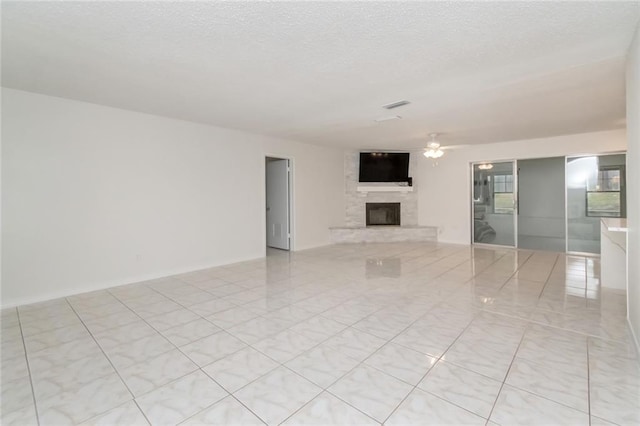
(396, 104)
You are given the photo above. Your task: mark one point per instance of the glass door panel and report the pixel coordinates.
(595, 189)
(541, 221)
(494, 203)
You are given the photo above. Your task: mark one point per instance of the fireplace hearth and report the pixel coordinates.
(382, 214)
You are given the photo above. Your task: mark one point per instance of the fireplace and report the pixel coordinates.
(381, 214)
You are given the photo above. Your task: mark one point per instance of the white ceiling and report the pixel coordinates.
(319, 72)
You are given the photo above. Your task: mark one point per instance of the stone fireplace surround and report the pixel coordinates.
(355, 229)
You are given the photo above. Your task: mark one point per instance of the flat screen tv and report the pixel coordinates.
(384, 167)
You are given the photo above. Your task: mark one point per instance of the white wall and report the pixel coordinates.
(444, 195)
(633, 184)
(96, 196)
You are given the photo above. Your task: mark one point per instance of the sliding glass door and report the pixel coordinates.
(595, 189)
(494, 203)
(551, 204)
(541, 211)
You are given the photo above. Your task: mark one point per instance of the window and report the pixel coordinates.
(605, 195)
(503, 194)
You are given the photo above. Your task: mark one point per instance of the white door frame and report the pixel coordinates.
(292, 219)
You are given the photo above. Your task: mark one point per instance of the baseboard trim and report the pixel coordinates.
(121, 281)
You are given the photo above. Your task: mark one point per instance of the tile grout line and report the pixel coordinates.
(112, 366)
(515, 352)
(141, 411)
(200, 368)
(116, 370)
(173, 344)
(427, 373)
(26, 357)
(504, 380)
(154, 356)
(179, 349)
(547, 280)
(443, 353)
(529, 323)
(562, 313)
(249, 409)
(363, 362)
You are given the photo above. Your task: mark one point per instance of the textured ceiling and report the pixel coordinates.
(319, 72)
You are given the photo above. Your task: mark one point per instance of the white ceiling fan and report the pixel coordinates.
(434, 150)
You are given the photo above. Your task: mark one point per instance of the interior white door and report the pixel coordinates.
(278, 203)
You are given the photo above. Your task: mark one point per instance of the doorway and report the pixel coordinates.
(278, 202)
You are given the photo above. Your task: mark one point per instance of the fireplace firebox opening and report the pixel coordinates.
(383, 214)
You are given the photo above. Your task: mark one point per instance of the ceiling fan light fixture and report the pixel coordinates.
(433, 148)
(433, 153)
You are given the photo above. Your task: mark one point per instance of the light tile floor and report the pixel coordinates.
(350, 334)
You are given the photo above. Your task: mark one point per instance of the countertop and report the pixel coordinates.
(615, 224)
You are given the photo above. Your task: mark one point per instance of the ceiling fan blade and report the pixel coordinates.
(454, 147)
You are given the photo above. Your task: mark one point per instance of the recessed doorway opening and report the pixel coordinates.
(278, 202)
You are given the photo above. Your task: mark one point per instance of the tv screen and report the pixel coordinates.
(384, 167)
